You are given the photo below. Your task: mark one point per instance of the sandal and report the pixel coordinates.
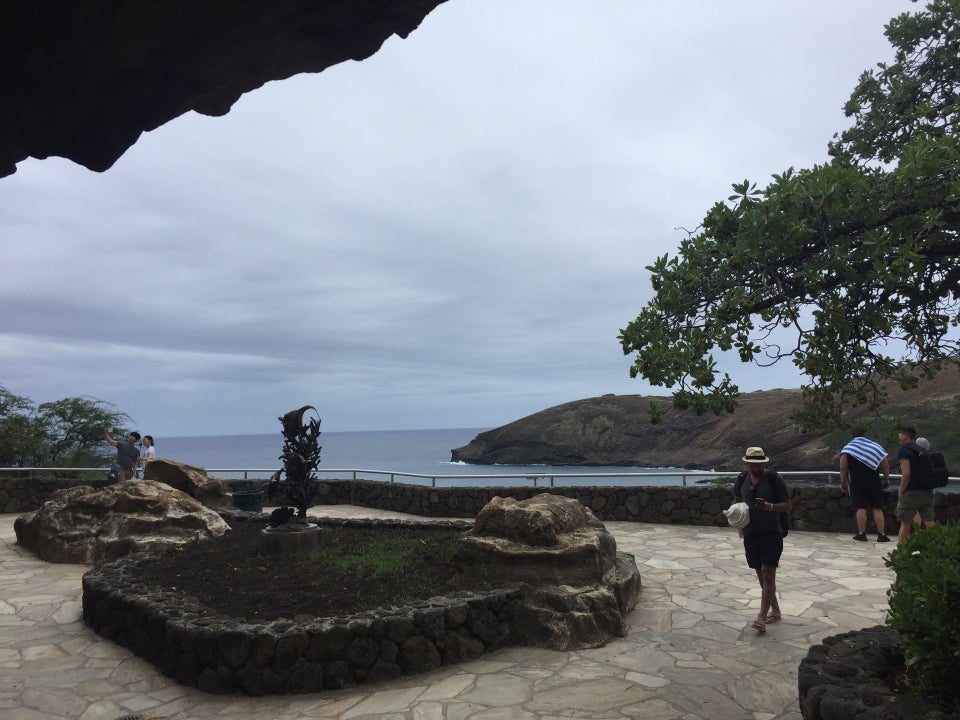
(772, 619)
(759, 626)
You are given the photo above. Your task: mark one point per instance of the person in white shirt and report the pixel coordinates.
(149, 453)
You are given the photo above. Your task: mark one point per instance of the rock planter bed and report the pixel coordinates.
(219, 654)
(858, 676)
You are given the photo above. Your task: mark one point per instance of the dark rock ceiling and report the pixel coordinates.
(83, 79)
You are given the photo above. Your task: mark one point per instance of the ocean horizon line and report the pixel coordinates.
(427, 453)
(325, 432)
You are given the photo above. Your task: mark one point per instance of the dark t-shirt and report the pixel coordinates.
(909, 452)
(771, 488)
(127, 455)
(861, 472)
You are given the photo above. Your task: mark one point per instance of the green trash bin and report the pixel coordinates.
(248, 500)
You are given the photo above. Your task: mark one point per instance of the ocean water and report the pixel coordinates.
(422, 452)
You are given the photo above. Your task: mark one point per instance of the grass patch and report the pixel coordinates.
(404, 560)
(375, 557)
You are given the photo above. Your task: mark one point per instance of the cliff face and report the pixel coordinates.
(616, 430)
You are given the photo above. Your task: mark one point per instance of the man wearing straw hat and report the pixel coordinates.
(766, 494)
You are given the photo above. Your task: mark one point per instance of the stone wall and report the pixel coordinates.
(218, 654)
(814, 508)
(23, 493)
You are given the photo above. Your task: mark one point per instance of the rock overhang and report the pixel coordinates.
(84, 80)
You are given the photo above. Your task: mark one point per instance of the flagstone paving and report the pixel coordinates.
(689, 652)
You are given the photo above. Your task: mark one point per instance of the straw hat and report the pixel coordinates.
(755, 455)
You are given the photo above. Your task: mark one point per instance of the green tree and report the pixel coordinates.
(17, 431)
(62, 433)
(850, 269)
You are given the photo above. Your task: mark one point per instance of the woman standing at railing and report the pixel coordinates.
(149, 454)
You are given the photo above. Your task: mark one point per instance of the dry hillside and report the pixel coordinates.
(616, 430)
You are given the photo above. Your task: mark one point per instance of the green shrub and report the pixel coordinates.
(924, 604)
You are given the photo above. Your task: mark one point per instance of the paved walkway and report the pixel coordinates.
(688, 654)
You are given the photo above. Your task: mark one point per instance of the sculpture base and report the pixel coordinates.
(289, 538)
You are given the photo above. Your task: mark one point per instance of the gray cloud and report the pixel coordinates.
(449, 234)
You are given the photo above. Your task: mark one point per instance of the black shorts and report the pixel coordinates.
(866, 492)
(763, 548)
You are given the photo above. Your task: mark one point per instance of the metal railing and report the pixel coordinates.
(538, 479)
(546, 478)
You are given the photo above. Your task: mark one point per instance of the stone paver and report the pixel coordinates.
(688, 654)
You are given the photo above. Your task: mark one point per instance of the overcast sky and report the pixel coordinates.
(449, 234)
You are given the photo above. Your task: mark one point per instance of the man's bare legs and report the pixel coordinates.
(904, 532)
(862, 521)
(907, 527)
(769, 607)
(878, 520)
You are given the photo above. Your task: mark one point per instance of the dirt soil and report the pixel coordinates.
(357, 568)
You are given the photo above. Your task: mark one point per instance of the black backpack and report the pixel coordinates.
(930, 469)
(784, 517)
(939, 466)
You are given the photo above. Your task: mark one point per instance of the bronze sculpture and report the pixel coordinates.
(295, 484)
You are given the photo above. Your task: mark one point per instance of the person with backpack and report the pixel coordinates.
(924, 445)
(768, 498)
(915, 495)
(861, 462)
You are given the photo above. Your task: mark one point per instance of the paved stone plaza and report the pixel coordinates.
(689, 652)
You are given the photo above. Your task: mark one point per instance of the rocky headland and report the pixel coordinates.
(616, 430)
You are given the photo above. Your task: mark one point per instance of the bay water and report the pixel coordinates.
(420, 452)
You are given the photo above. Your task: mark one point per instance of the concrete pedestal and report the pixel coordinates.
(292, 537)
